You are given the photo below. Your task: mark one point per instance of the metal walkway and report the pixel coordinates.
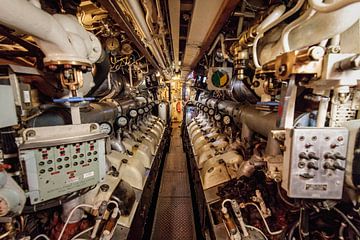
(174, 212)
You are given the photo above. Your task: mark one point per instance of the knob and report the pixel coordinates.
(303, 155)
(339, 156)
(329, 166)
(306, 176)
(312, 155)
(338, 166)
(312, 165)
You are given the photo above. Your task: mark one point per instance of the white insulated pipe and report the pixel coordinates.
(50, 32)
(321, 6)
(315, 29)
(136, 9)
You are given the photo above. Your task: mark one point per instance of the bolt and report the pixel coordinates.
(104, 188)
(282, 70)
(31, 133)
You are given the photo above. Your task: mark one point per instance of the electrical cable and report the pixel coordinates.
(41, 236)
(264, 220)
(257, 229)
(69, 217)
(348, 221)
(81, 233)
(283, 198)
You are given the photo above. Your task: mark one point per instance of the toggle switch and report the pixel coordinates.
(329, 156)
(329, 166)
(312, 155)
(339, 156)
(303, 155)
(338, 166)
(312, 165)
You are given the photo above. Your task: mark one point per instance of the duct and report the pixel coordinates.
(140, 19)
(309, 32)
(258, 121)
(126, 105)
(255, 120)
(227, 107)
(59, 36)
(95, 112)
(162, 32)
(174, 11)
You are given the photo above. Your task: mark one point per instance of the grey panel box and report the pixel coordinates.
(315, 162)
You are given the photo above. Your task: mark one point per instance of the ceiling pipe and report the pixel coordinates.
(136, 9)
(162, 32)
(59, 36)
(174, 11)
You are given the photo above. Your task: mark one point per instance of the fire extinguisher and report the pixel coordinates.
(178, 106)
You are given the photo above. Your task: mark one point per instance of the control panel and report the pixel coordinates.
(314, 162)
(57, 163)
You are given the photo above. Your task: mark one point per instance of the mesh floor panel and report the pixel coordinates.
(174, 213)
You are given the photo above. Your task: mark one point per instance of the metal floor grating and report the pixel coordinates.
(174, 217)
(179, 166)
(175, 185)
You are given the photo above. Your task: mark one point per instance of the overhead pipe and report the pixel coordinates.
(136, 9)
(59, 36)
(261, 122)
(162, 32)
(320, 6)
(332, 24)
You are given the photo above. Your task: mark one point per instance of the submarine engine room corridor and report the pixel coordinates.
(179, 119)
(174, 215)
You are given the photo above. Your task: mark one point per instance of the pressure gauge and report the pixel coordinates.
(133, 113)
(140, 111)
(217, 117)
(112, 44)
(106, 128)
(122, 121)
(206, 109)
(211, 112)
(226, 120)
(146, 109)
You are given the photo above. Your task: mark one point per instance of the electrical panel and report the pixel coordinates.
(314, 162)
(60, 160)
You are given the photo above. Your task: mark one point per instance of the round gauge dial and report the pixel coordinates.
(133, 113)
(105, 127)
(217, 117)
(226, 120)
(112, 44)
(206, 109)
(211, 112)
(122, 121)
(140, 111)
(146, 109)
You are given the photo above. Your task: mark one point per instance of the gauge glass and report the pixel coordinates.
(133, 113)
(112, 44)
(122, 121)
(140, 111)
(105, 128)
(227, 120)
